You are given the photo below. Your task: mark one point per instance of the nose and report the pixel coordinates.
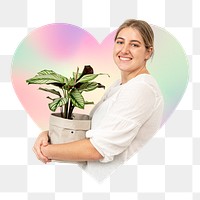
(125, 48)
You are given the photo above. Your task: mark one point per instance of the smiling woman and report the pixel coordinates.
(133, 47)
(126, 117)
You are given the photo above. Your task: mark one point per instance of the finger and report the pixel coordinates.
(42, 140)
(34, 150)
(45, 143)
(39, 154)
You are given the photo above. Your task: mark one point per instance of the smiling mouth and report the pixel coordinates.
(125, 58)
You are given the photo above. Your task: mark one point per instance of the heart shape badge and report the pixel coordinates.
(64, 47)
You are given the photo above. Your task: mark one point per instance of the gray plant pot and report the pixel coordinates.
(66, 130)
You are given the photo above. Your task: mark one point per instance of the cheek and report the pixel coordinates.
(140, 54)
(115, 51)
(115, 57)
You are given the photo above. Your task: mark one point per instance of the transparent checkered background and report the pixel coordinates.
(168, 167)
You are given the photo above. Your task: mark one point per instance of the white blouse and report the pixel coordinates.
(123, 121)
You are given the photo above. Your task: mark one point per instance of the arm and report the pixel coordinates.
(81, 150)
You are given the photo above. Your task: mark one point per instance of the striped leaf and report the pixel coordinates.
(89, 86)
(51, 91)
(57, 103)
(71, 82)
(89, 77)
(87, 70)
(77, 99)
(47, 77)
(46, 71)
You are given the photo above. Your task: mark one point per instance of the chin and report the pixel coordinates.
(124, 68)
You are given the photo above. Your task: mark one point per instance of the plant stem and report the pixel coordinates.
(70, 105)
(71, 108)
(61, 111)
(65, 111)
(76, 76)
(68, 108)
(66, 105)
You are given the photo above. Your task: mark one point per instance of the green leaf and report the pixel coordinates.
(89, 86)
(89, 77)
(44, 72)
(87, 70)
(77, 99)
(71, 82)
(51, 91)
(58, 102)
(47, 77)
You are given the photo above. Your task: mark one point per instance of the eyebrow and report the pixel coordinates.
(131, 40)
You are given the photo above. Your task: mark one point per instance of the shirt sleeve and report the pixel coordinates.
(130, 109)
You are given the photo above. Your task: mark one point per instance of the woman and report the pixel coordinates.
(127, 116)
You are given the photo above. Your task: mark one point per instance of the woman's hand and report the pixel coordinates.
(40, 142)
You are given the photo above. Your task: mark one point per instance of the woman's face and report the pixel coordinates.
(130, 53)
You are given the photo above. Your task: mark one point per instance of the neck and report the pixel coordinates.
(126, 76)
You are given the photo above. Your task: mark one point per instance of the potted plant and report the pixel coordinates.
(67, 126)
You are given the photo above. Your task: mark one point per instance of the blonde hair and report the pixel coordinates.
(144, 29)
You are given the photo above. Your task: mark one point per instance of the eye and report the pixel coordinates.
(134, 45)
(119, 42)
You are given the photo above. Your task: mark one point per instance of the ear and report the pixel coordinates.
(149, 53)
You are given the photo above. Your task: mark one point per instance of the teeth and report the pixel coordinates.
(125, 59)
